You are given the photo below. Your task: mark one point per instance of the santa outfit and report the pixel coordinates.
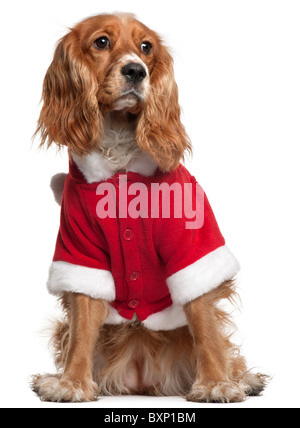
(146, 265)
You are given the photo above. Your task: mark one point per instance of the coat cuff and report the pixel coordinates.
(203, 276)
(66, 277)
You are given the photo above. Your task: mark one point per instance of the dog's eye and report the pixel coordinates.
(102, 43)
(146, 48)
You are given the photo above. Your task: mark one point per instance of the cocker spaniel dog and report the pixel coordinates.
(139, 282)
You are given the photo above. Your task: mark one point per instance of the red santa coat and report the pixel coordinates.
(146, 265)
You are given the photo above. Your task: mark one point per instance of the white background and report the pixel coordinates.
(237, 65)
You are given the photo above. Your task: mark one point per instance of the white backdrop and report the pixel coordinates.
(237, 65)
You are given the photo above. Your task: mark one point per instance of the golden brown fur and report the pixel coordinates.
(81, 87)
(199, 362)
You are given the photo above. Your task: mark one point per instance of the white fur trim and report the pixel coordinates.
(203, 276)
(169, 319)
(66, 277)
(95, 169)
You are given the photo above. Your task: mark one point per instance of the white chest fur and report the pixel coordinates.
(117, 152)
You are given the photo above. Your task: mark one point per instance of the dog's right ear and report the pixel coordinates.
(160, 131)
(70, 114)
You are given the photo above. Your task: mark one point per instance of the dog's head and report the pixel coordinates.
(113, 63)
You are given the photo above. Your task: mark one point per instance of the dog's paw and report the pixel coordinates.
(254, 383)
(222, 392)
(59, 389)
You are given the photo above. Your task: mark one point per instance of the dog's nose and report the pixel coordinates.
(134, 72)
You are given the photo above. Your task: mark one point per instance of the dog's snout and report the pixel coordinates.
(134, 72)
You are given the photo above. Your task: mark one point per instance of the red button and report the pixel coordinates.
(133, 304)
(128, 235)
(135, 276)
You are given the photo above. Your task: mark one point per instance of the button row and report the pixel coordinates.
(128, 235)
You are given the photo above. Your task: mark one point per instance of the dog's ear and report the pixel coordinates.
(70, 114)
(159, 130)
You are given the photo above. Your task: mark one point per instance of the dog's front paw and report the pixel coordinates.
(222, 392)
(59, 389)
(254, 383)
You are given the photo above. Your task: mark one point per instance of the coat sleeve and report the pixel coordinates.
(196, 257)
(81, 263)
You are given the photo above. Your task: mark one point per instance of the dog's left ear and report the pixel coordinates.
(159, 130)
(70, 114)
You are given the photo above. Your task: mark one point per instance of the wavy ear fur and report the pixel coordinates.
(70, 115)
(159, 130)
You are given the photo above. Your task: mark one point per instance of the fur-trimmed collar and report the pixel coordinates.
(95, 168)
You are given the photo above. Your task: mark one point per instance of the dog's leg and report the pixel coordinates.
(213, 382)
(75, 384)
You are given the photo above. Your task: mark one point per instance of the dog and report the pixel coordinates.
(140, 295)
